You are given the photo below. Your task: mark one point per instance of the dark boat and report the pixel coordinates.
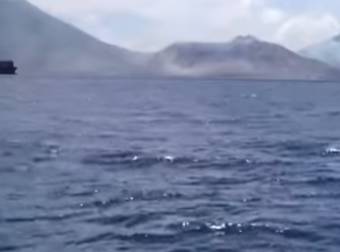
(7, 67)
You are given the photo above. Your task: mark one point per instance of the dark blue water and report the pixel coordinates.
(178, 166)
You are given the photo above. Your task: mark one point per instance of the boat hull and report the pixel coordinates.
(7, 67)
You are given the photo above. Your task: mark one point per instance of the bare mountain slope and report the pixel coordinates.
(245, 56)
(40, 43)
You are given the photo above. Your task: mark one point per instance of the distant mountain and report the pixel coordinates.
(327, 51)
(41, 44)
(243, 57)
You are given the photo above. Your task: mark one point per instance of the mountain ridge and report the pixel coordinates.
(43, 45)
(242, 56)
(33, 36)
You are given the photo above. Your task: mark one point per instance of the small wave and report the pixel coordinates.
(36, 152)
(301, 148)
(109, 220)
(181, 231)
(218, 181)
(102, 203)
(232, 121)
(50, 218)
(85, 193)
(133, 158)
(322, 180)
(155, 195)
(225, 227)
(110, 158)
(15, 247)
(129, 221)
(318, 195)
(229, 228)
(145, 238)
(296, 148)
(334, 113)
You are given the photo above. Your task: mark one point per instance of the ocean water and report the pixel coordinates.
(171, 165)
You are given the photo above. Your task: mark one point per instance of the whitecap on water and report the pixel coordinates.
(333, 150)
(217, 227)
(249, 96)
(169, 158)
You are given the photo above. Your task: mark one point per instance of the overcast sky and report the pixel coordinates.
(152, 24)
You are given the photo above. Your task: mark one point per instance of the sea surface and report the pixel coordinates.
(169, 165)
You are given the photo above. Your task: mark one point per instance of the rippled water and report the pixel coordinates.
(178, 166)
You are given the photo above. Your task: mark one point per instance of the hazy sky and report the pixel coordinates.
(153, 24)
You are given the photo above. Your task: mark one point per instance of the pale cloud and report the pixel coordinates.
(272, 16)
(303, 30)
(153, 24)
